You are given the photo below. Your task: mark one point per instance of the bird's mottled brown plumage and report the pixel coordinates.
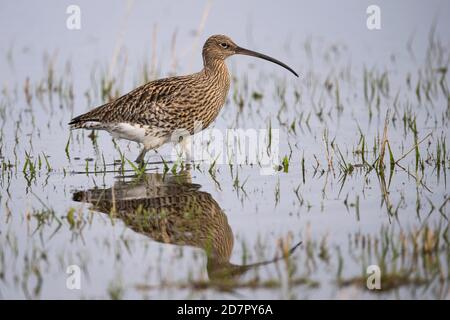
(162, 110)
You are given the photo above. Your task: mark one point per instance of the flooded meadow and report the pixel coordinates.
(358, 187)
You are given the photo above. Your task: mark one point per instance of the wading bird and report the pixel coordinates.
(170, 109)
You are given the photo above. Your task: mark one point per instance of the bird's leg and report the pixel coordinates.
(141, 156)
(186, 147)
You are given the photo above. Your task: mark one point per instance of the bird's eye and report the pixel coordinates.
(224, 45)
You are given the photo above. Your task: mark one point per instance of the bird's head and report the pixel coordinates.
(220, 47)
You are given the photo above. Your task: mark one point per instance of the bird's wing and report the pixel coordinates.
(141, 106)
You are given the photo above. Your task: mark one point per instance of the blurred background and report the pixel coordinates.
(154, 27)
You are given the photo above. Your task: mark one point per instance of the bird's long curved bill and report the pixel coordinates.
(247, 52)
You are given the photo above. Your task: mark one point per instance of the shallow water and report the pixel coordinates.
(195, 231)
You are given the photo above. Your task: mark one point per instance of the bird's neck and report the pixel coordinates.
(217, 70)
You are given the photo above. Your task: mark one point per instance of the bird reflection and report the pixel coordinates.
(171, 209)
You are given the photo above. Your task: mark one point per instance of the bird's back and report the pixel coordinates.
(165, 105)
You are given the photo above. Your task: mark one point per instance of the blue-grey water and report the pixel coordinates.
(320, 117)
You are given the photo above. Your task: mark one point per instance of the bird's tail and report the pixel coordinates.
(86, 121)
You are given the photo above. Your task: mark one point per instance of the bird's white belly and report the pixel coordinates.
(141, 134)
(127, 131)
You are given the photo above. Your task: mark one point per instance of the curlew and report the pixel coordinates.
(170, 109)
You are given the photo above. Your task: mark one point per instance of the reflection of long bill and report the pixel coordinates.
(171, 209)
(247, 52)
